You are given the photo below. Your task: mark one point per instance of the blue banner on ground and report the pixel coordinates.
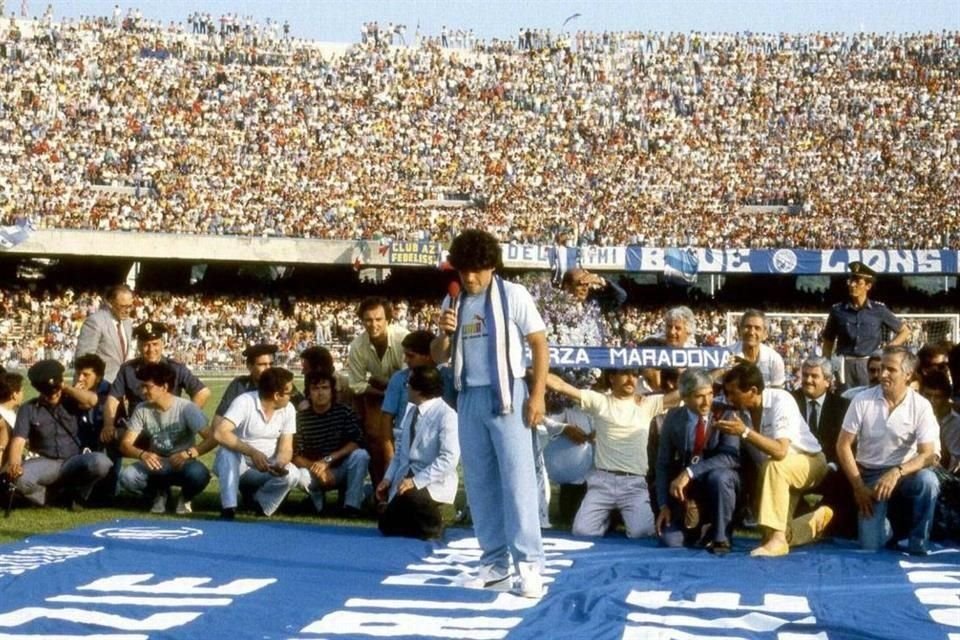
(214, 580)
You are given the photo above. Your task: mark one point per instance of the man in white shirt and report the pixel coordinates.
(897, 440)
(754, 329)
(423, 473)
(791, 459)
(621, 421)
(256, 445)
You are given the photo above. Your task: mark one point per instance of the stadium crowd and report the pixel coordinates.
(810, 140)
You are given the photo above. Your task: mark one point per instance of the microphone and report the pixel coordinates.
(453, 290)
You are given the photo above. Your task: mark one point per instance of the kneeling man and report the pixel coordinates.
(423, 473)
(171, 458)
(52, 432)
(256, 438)
(622, 424)
(897, 439)
(698, 465)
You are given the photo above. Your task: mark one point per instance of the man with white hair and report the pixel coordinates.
(680, 327)
(823, 409)
(897, 440)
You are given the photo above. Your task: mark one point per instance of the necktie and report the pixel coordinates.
(413, 426)
(814, 416)
(699, 437)
(123, 344)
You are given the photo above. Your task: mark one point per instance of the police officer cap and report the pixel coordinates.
(861, 270)
(46, 375)
(150, 330)
(254, 351)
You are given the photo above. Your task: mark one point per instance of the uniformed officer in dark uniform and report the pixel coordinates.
(259, 358)
(854, 328)
(52, 432)
(125, 393)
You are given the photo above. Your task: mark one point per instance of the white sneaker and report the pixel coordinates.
(183, 506)
(159, 504)
(529, 584)
(490, 577)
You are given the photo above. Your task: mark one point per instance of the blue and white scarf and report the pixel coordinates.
(497, 314)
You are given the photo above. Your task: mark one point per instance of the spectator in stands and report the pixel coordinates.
(375, 355)
(622, 425)
(824, 409)
(791, 459)
(854, 328)
(423, 474)
(256, 446)
(583, 286)
(11, 397)
(171, 457)
(697, 478)
(897, 440)
(328, 446)
(108, 332)
(754, 330)
(62, 466)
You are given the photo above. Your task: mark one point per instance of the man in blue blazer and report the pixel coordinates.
(423, 473)
(696, 464)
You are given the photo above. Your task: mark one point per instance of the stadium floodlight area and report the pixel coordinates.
(797, 335)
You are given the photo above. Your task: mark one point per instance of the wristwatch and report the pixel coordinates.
(746, 432)
(327, 459)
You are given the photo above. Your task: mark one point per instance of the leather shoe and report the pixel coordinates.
(718, 547)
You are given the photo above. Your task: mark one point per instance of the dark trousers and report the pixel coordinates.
(838, 495)
(413, 514)
(716, 495)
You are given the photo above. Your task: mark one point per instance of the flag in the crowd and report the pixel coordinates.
(562, 259)
(14, 235)
(680, 266)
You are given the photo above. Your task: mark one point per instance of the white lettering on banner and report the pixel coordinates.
(603, 257)
(568, 356)
(772, 602)
(180, 586)
(883, 261)
(449, 567)
(668, 358)
(35, 557)
(526, 255)
(188, 587)
(948, 599)
(503, 602)
(406, 624)
(153, 622)
(652, 259)
(639, 632)
(92, 636)
(758, 618)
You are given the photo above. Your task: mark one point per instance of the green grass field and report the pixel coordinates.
(26, 521)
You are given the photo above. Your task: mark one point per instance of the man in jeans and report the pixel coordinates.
(898, 440)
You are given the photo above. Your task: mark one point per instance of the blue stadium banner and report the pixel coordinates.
(143, 580)
(575, 357)
(422, 253)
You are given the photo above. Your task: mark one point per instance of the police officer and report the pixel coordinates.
(62, 463)
(126, 387)
(854, 328)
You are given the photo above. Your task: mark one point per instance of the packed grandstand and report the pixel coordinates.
(813, 140)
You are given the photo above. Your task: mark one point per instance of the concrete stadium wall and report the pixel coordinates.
(195, 248)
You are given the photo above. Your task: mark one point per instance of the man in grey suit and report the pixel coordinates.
(696, 461)
(423, 473)
(108, 331)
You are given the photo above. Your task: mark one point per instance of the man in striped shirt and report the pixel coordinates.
(328, 446)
